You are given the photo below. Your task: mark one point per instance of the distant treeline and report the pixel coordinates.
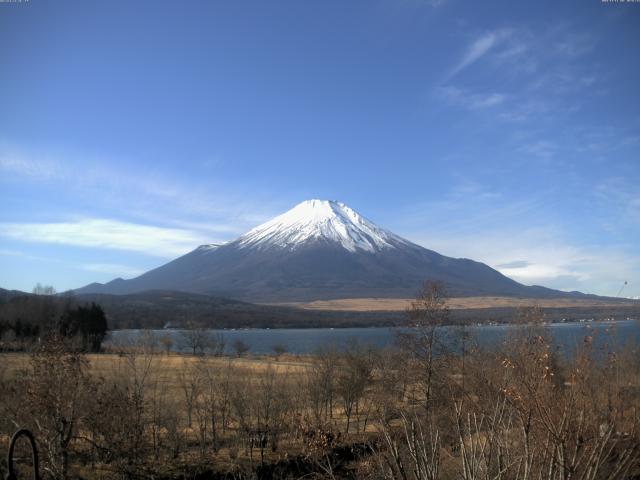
(26, 319)
(160, 309)
(157, 309)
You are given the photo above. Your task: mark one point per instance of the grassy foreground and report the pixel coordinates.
(418, 412)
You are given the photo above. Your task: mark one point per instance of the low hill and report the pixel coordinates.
(158, 309)
(6, 295)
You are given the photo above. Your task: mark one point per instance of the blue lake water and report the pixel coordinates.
(607, 335)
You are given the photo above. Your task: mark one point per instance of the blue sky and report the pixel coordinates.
(507, 132)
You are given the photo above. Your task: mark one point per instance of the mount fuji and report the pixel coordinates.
(320, 250)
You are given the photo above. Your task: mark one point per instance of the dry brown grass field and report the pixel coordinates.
(401, 304)
(143, 413)
(165, 380)
(166, 370)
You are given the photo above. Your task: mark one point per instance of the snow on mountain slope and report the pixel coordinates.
(327, 220)
(210, 247)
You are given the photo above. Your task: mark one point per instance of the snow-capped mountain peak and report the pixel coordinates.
(319, 250)
(320, 220)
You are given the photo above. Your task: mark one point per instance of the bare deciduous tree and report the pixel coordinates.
(40, 289)
(354, 376)
(240, 347)
(427, 313)
(194, 338)
(279, 349)
(58, 393)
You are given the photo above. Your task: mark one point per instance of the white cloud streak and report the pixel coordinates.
(113, 269)
(478, 49)
(26, 256)
(108, 234)
(471, 101)
(540, 148)
(14, 162)
(542, 257)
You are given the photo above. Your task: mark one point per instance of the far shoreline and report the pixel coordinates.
(584, 322)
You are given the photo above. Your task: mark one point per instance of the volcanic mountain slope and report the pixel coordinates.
(320, 250)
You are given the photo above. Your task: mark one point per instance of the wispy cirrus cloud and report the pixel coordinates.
(108, 234)
(541, 256)
(574, 44)
(15, 162)
(524, 241)
(471, 101)
(7, 252)
(420, 3)
(619, 197)
(142, 193)
(537, 80)
(543, 149)
(478, 48)
(539, 72)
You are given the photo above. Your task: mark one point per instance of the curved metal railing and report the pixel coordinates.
(34, 454)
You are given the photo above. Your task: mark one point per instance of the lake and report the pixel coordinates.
(304, 341)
